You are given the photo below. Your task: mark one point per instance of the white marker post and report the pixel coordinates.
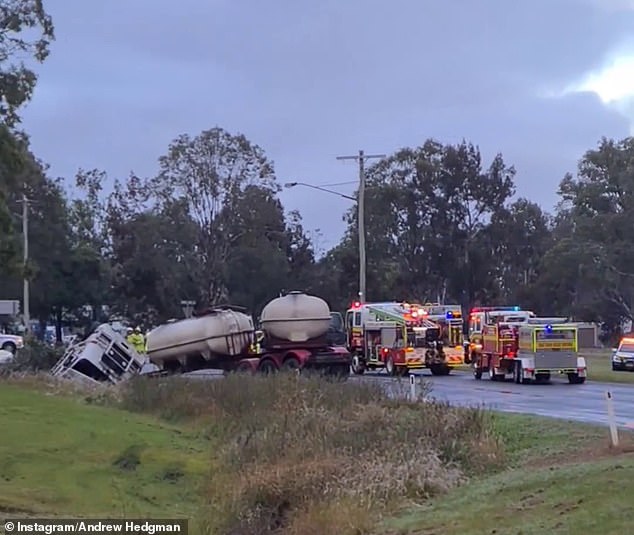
(412, 387)
(614, 434)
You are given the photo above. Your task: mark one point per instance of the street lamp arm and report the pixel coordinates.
(293, 184)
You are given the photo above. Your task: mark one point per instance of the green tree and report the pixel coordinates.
(25, 33)
(592, 255)
(153, 264)
(210, 173)
(428, 210)
(519, 238)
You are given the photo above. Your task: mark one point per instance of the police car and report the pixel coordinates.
(623, 356)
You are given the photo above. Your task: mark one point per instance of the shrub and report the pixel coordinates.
(293, 450)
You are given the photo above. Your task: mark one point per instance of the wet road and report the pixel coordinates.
(584, 403)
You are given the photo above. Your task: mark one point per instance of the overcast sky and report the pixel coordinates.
(538, 80)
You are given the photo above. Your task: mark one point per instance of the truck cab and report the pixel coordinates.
(336, 334)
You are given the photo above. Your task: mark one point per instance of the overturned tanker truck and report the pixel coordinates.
(293, 336)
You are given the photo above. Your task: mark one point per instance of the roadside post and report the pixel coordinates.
(614, 434)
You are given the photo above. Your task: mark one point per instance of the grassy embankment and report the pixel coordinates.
(61, 456)
(563, 478)
(255, 455)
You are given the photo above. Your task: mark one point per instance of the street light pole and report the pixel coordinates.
(361, 157)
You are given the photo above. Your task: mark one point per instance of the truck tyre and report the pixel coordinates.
(358, 367)
(491, 369)
(517, 372)
(519, 375)
(267, 367)
(291, 364)
(477, 373)
(574, 379)
(390, 366)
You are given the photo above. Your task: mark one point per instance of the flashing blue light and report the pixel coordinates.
(449, 315)
(516, 309)
(549, 328)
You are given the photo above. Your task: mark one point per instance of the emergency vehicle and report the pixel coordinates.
(481, 316)
(530, 350)
(449, 318)
(394, 336)
(623, 355)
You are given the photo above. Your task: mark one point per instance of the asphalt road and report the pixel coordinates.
(558, 399)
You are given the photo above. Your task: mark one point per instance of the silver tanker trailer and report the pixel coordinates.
(294, 335)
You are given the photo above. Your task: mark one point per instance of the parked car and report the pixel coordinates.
(623, 355)
(11, 342)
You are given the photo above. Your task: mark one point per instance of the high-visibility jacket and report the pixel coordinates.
(137, 341)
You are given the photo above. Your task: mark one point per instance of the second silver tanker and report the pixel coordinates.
(294, 330)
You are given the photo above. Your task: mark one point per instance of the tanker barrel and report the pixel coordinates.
(296, 317)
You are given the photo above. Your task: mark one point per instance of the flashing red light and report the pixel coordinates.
(356, 304)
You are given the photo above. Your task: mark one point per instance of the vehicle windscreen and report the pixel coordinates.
(626, 347)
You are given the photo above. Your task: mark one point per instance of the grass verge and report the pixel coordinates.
(304, 455)
(600, 368)
(60, 456)
(562, 478)
(296, 455)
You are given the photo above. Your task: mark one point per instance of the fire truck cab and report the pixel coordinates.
(530, 351)
(449, 319)
(480, 317)
(393, 336)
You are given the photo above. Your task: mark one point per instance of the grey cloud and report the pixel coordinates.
(311, 80)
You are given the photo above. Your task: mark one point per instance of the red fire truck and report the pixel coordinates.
(529, 350)
(393, 336)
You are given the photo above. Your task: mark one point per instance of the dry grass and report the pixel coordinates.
(307, 455)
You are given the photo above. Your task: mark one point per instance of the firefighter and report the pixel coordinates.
(137, 341)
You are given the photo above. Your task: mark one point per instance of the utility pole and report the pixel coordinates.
(361, 158)
(25, 235)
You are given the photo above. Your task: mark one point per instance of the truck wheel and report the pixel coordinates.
(267, 367)
(492, 375)
(390, 368)
(291, 364)
(358, 367)
(574, 379)
(477, 373)
(517, 373)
